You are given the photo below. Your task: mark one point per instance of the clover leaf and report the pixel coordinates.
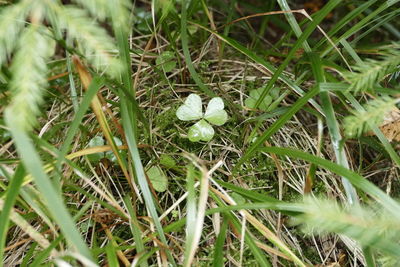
(265, 105)
(99, 141)
(202, 130)
(157, 179)
(96, 141)
(167, 61)
(192, 110)
(254, 96)
(215, 112)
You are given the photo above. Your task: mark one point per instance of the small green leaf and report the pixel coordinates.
(167, 61)
(275, 92)
(142, 19)
(215, 112)
(201, 131)
(191, 109)
(158, 179)
(192, 29)
(167, 161)
(96, 141)
(109, 154)
(254, 96)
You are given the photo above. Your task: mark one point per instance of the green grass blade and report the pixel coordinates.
(386, 144)
(369, 257)
(10, 198)
(112, 259)
(341, 88)
(190, 215)
(360, 24)
(28, 255)
(141, 177)
(129, 121)
(256, 251)
(219, 245)
(293, 23)
(41, 257)
(136, 232)
(303, 37)
(185, 47)
(94, 87)
(74, 96)
(345, 20)
(53, 200)
(248, 193)
(333, 127)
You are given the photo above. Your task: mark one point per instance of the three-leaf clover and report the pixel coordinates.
(255, 95)
(192, 110)
(99, 141)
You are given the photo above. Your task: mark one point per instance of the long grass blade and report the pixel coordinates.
(333, 127)
(33, 164)
(10, 198)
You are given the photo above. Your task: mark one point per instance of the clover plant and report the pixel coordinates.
(99, 141)
(192, 110)
(255, 94)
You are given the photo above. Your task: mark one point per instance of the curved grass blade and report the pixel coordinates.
(345, 20)
(136, 232)
(191, 217)
(86, 79)
(360, 24)
(326, 105)
(257, 253)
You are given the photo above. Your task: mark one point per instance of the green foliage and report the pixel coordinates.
(373, 115)
(237, 167)
(158, 179)
(192, 110)
(167, 161)
(167, 61)
(96, 141)
(99, 141)
(372, 71)
(101, 9)
(251, 101)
